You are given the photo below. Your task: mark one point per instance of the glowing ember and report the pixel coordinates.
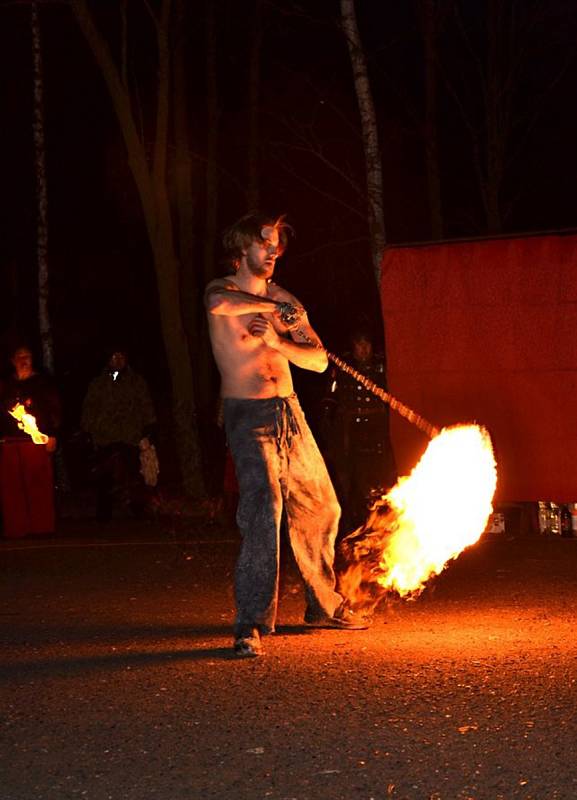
(27, 423)
(426, 520)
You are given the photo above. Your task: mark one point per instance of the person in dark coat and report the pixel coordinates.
(26, 468)
(119, 416)
(356, 433)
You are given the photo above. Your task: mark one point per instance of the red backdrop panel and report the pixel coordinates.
(487, 332)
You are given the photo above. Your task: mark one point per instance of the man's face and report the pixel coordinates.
(362, 350)
(117, 361)
(261, 254)
(22, 361)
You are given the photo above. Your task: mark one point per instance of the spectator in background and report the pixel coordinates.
(26, 468)
(119, 416)
(355, 433)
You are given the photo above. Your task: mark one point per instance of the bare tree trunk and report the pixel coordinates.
(212, 140)
(374, 168)
(253, 192)
(14, 283)
(151, 182)
(183, 170)
(373, 163)
(429, 10)
(45, 326)
(186, 198)
(499, 72)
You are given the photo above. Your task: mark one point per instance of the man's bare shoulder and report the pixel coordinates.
(221, 284)
(276, 292)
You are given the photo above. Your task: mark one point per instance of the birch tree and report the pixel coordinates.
(373, 163)
(45, 327)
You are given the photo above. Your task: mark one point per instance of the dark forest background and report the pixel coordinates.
(263, 113)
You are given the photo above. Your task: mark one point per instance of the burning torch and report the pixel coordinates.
(27, 423)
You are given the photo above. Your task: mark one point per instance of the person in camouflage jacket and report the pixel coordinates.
(118, 414)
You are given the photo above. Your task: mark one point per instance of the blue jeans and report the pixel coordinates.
(279, 466)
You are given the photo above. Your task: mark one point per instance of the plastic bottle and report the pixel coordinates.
(566, 522)
(573, 507)
(554, 519)
(543, 512)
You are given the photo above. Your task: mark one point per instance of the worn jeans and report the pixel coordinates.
(279, 466)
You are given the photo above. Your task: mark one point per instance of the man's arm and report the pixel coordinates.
(303, 355)
(306, 349)
(226, 299)
(305, 352)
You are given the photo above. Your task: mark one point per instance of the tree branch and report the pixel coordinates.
(122, 107)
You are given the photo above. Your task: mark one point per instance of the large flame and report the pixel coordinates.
(442, 507)
(426, 519)
(27, 423)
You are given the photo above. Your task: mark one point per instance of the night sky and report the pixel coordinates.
(102, 276)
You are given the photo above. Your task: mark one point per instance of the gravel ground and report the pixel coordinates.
(118, 680)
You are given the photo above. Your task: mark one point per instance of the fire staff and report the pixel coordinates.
(253, 329)
(26, 470)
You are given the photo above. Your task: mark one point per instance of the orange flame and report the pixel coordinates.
(442, 507)
(27, 423)
(427, 519)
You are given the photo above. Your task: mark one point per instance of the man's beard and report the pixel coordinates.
(260, 270)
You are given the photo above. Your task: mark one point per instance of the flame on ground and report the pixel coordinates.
(426, 520)
(27, 423)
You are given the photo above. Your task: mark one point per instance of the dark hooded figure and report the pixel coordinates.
(118, 413)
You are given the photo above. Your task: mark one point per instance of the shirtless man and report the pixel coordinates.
(256, 330)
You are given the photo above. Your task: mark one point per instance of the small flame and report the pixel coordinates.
(27, 423)
(427, 519)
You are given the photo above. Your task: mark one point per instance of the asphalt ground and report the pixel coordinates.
(118, 680)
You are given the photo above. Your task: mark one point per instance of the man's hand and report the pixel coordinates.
(308, 354)
(261, 327)
(51, 444)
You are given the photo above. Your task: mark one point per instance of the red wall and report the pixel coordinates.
(487, 332)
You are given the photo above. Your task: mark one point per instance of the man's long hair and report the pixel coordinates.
(248, 229)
